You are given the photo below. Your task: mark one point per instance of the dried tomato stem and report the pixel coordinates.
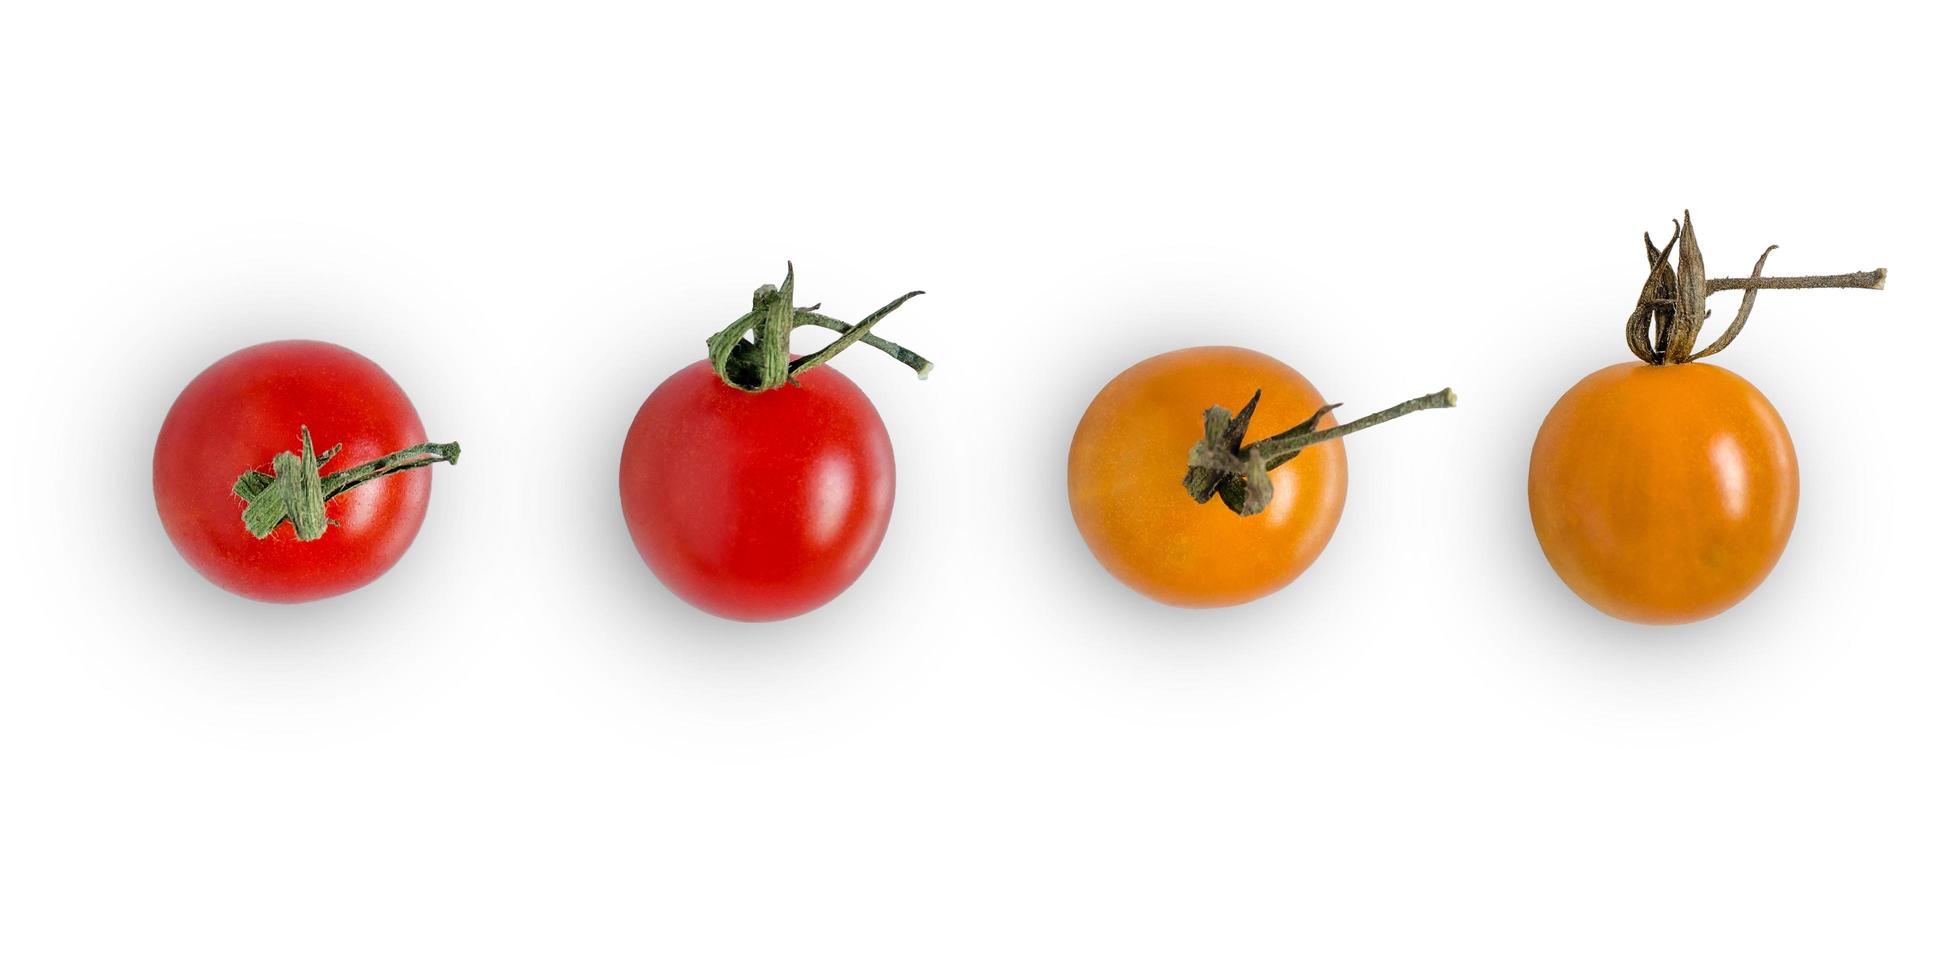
(1221, 466)
(1281, 448)
(1874, 279)
(1673, 303)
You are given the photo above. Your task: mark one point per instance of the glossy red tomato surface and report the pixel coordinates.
(757, 505)
(246, 409)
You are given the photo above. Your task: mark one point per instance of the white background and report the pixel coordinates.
(517, 755)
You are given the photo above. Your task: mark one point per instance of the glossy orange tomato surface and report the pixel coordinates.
(1663, 493)
(1126, 468)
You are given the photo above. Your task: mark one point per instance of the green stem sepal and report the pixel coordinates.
(296, 491)
(1220, 465)
(753, 353)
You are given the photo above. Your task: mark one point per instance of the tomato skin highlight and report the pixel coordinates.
(757, 505)
(1663, 494)
(1129, 454)
(247, 408)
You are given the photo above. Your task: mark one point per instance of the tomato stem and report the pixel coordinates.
(1875, 279)
(1673, 305)
(296, 491)
(808, 316)
(753, 354)
(1221, 466)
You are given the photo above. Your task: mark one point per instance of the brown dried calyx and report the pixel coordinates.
(1221, 464)
(1674, 301)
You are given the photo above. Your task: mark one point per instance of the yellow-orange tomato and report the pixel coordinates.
(1126, 469)
(1663, 493)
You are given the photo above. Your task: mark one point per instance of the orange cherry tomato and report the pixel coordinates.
(1663, 493)
(1130, 452)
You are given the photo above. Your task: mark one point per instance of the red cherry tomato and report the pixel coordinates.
(249, 407)
(757, 505)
